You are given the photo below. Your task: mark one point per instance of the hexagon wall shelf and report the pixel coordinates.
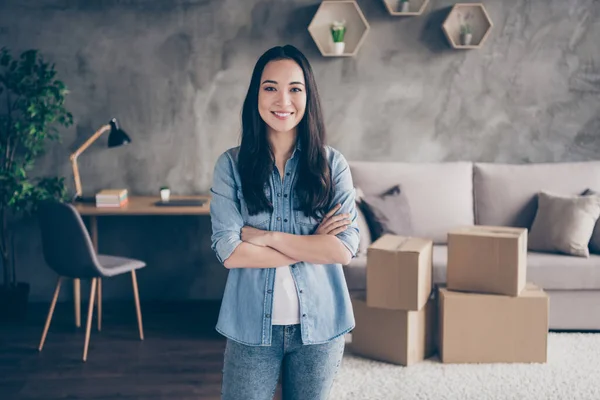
(357, 27)
(416, 7)
(473, 14)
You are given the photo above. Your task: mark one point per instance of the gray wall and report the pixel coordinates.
(175, 74)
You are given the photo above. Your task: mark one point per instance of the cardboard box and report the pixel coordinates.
(395, 336)
(399, 272)
(490, 328)
(487, 259)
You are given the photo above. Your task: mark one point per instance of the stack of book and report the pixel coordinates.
(111, 198)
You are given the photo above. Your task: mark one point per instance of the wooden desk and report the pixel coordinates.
(138, 205)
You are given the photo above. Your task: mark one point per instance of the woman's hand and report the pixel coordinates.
(255, 236)
(333, 224)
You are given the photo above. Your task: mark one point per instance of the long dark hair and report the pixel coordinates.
(314, 186)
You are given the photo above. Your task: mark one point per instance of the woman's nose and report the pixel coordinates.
(284, 98)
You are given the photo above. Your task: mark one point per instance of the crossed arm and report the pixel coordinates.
(267, 249)
(239, 246)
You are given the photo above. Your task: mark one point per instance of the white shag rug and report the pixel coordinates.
(571, 373)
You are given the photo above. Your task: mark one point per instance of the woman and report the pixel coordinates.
(284, 221)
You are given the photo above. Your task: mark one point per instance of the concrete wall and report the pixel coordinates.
(175, 74)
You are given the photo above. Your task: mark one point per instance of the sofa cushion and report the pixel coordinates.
(564, 224)
(506, 194)
(440, 195)
(563, 272)
(594, 245)
(356, 273)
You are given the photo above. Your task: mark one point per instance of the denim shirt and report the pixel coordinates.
(325, 307)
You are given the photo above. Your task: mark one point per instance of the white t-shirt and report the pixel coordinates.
(286, 308)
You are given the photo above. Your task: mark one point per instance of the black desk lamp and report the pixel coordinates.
(116, 138)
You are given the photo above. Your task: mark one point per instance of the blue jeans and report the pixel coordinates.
(307, 371)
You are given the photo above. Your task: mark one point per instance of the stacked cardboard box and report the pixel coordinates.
(487, 312)
(396, 321)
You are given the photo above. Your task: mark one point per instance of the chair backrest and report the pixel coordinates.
(67, 246)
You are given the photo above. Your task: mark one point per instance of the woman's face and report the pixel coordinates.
(282, 95)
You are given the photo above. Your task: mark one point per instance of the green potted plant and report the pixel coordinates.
(338, 32)
(32, 102)
(465, 34)
(465, 28)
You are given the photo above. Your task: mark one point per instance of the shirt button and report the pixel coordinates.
(285, 195)
(268, 315)
(304, 315)
(285, 220)
(288, 174)
(269, 291)
(278, 194)
(301, 291)
(278, 218)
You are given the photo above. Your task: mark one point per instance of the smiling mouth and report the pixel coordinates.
(281, 115)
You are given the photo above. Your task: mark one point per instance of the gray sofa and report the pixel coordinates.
(442, 196)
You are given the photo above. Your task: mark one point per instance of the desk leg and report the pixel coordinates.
(94, 235)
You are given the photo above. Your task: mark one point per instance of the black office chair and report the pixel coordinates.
(69, 251)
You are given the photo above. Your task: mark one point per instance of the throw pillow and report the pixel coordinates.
(564, 224)
(595, 241)
(388, 212)
(363, 226)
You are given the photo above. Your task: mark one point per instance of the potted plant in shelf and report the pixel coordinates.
(465, 28)
(404, 6)
(32, 104)
(465, 34)
(338, 31)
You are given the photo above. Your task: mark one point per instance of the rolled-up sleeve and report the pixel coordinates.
(225, 215)
(345, 194)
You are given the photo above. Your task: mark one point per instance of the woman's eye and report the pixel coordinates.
(269, 88)
(296, 89)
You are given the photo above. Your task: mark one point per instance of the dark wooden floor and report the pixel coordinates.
(181, 357)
